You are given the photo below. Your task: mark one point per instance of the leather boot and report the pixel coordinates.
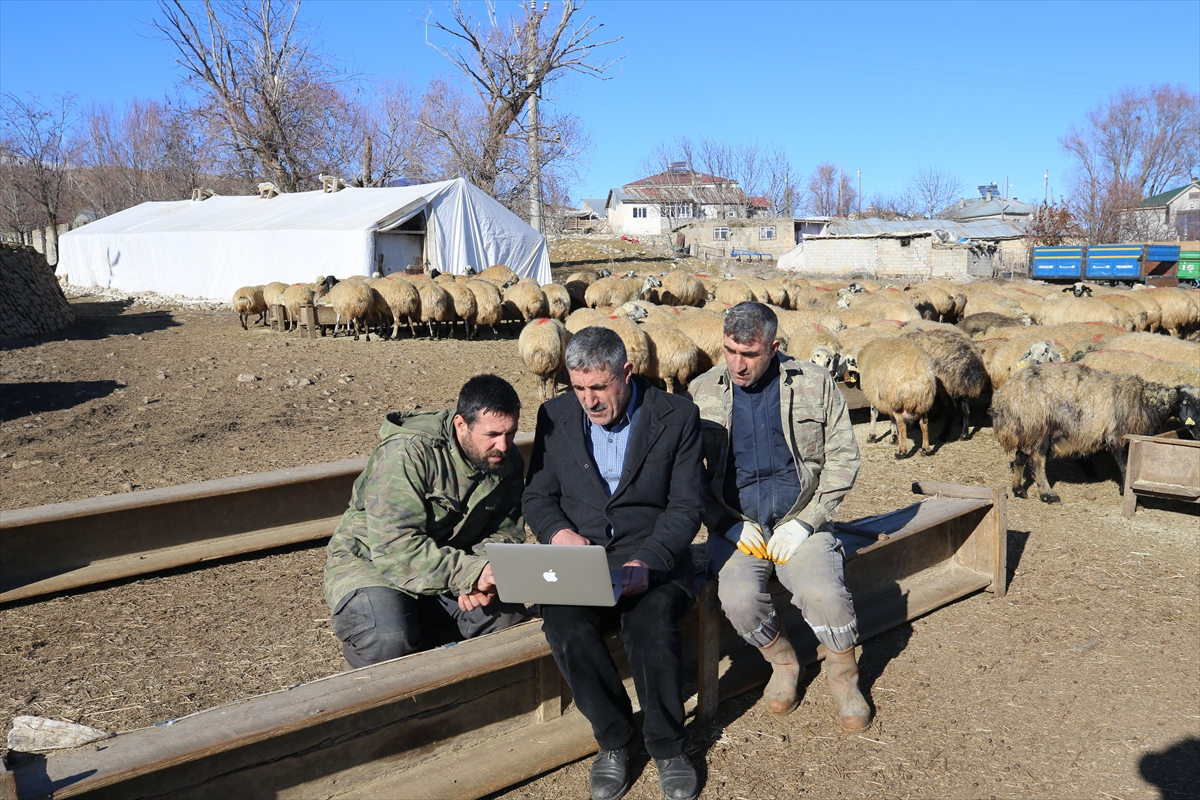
(780, 693)
(842, 672)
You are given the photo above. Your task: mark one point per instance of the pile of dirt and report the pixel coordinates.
(32, 301)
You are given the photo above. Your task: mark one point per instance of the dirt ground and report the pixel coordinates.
(1083, 682)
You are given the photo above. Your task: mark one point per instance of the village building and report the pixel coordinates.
(923, 248)
(1173, 215)
(672, 199)
(989, 205)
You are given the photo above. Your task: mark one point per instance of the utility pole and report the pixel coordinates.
(858, 202)
(1046, 198)
(535, 155)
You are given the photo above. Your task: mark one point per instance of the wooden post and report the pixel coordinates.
(308, 321)
(550, 690)
(708, 656)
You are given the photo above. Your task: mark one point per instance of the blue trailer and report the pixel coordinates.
(1138, 263)
(1058, 263)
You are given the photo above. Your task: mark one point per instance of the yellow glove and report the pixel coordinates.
(749, 538)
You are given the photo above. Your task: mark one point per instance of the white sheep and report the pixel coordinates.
(674, 358)
(436, 306)
(397, 298)
(898, 380)
(542, 344)
(353, 301)
(558, 301)
(465, 306)
(489, 305)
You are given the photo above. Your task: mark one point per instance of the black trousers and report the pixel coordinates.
(378, 624)
(650, 631)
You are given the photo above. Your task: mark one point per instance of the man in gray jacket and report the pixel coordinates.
(780, 455)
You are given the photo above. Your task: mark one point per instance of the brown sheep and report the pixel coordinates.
(1070, 410)
(524, 302)
(465, 306)
(498, 274)
(400, 301)
(584, 318)
(681, 288)
(674, 358)
(637, 344)
(961, 375)
(353, 301)
(558, 301)
(733, 291)
(898, 380)
(273, 293)
(436, 306)
(707, 331)
(1178, 310)
(489, 309)
(296, 295)
(249, 300)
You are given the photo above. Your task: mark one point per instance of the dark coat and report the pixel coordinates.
(656, 509)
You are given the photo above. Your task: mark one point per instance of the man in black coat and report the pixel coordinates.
(617, 465)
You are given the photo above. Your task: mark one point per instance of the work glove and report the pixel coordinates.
(786, 539)
(749, 538)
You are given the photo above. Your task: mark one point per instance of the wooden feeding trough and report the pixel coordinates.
(459, 721)
(1161, 466)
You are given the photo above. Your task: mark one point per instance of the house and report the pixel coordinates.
(1173, 215)
(721, 238)
(989, 205)
(674, 198)
(923, 248)
(212, 245)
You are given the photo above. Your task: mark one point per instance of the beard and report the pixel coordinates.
(482, 461)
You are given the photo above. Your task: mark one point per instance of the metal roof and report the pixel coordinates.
(596, 204)
(978, 207)
(952, 229)
(1164, 198)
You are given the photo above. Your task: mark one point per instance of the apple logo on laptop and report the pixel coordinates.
(550, 576)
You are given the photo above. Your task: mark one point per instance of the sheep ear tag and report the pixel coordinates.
(1023, 363)
(1189, 421)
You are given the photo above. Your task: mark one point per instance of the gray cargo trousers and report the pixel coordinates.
(813, 575)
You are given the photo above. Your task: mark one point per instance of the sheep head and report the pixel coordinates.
(604, 273)
(848, 366)
(1189, 406)
(634, 311)
(1039, 353)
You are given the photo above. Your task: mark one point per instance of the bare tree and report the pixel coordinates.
(831, 192)
(930, 190)
(1135, 144)
(258, 75)
(508, 62)
(390, 141)
(37, 158)
(889, 206)
(1052, 224)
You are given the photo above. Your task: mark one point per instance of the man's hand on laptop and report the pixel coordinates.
(635, 578)
(568, 536)
(483, 593)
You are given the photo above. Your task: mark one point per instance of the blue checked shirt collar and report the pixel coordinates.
(607, 444)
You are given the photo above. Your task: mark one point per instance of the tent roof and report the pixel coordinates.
(351, 209)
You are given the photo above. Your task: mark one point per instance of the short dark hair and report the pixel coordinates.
(750, 322)
(595, 347)
(487, 393)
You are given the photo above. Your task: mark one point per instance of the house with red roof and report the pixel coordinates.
(675, 198)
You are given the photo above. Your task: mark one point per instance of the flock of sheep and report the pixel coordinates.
(1069, 371)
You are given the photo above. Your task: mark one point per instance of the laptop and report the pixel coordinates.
(555, 575)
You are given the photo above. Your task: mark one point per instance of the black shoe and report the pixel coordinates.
(610, 774)
(677, 778)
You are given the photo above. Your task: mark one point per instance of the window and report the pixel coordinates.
(905, 242)
(639, 212)
(1194, 196)
(766, 232)
(720, 233)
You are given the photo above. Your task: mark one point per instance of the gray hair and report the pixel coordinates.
(595, 348)
(751, 322)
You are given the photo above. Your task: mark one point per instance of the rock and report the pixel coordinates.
(38, 734)
(292, 382)
(246, 377)
(305, 382)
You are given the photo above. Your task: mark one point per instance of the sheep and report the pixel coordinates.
(1063, 410)
(973, 324)
(613, 291)
(353, 301)
(1149, 305)
(961, 375)
(273, 293)
(1179, 311)
(1013, 355)
(558, 301)
(577, 283)
(489, 309)
(583, 318)
(674, 358)
(1136, 311)
(939, 299)
(1156, 370)
(498, 274)
(707, 332)
(542, 344)
(249, 300)
(979, 302)
(465, 306)
(296, 295)
(1081, 309)
(733, 292)
(524, 302)
(637, 344)
(643, 311)
(803, 339)
(1156, 346)
(436, 306)
(922, 302)
(681, 288)
(399, 300)
(898, 380)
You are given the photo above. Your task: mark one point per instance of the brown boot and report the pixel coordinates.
(842, 672)
(785, 674)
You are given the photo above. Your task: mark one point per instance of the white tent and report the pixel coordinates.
(210, 248)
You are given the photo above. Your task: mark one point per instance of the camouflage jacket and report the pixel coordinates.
(420, 514)
(821, 439)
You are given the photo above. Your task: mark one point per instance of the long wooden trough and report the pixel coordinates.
(1161, 466)
(464, 720)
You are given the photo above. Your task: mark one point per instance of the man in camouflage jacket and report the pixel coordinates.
(780, 456)
(409, 551)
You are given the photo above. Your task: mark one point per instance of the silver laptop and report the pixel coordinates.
(555, 575)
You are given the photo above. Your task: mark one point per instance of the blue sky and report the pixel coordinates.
(981, 90)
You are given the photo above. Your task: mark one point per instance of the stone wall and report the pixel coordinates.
(31, 301)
